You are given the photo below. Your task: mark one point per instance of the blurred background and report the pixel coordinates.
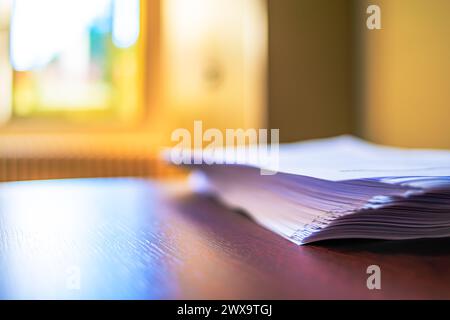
(94, 88)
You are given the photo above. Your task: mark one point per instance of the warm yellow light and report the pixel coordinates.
(214, 60)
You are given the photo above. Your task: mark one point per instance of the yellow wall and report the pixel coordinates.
(405, 73)
(213, 62)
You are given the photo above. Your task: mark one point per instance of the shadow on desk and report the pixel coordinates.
(326, 269)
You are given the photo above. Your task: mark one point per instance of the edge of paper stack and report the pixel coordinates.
(341, 187)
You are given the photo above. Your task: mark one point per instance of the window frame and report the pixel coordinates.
(104, 120)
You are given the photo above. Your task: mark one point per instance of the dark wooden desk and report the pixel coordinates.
(132, 239)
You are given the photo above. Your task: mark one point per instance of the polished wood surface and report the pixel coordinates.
(134, 239)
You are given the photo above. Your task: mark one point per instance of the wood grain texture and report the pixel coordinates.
(133, 239)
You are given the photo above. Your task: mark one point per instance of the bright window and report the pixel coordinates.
(77, 59)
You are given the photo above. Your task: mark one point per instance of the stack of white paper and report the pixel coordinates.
(341, 188)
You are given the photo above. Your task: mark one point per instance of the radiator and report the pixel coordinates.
(50, 157)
